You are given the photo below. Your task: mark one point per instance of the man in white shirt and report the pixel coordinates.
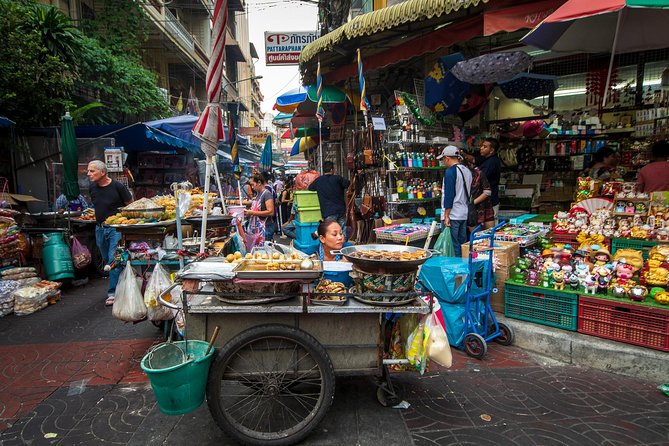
(457, 181)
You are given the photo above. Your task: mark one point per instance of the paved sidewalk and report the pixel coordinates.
(70, 375)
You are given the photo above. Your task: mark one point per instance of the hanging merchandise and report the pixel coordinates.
(444, 92)
(414, 109)
(491, 68)
(529, 86)
(474, 102)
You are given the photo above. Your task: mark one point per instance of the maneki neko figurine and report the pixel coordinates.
(561, 222)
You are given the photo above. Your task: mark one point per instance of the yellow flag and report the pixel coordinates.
(180, 103)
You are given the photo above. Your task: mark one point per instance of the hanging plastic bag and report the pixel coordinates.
(444, 243)
(81, 256)
(128, 301)
(439, 349)
(159, 282)
(417, 346)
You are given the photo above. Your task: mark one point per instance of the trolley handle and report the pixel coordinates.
(164, 302)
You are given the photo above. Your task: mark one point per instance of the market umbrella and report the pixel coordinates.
(615, 26)
(304, 144)
(493, 67)
(288, 102)
(444, 92)
(282, 119)
(529, 86)
(305, 99)
(300, 132)
(209, 127)
(266, 158)
(68, 148)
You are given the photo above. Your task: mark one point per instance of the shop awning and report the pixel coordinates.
(518, 17)
(374, 22)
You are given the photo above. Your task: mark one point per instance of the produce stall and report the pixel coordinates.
(286, 333)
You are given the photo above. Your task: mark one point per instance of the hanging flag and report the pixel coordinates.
(192, 102)
(320, 113)
(364, 102)
(234, 151)
(180, 103)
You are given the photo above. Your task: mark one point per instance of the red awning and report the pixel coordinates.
(512, 19)
(429, 43)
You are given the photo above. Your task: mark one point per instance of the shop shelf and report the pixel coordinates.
(305, 198)
(624, 322)
(541, 305)
(641, 245)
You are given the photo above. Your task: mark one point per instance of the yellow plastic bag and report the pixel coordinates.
(417, 346)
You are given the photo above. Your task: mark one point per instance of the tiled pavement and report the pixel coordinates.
(69, 375)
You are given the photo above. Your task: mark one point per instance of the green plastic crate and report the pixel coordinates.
(642, 245)
(306, 199)
(309, 215)
(541, 305)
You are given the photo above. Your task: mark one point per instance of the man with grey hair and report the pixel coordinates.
(108, 196)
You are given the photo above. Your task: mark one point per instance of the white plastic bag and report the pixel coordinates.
(159, 282)
(439, 349)
(128, 301)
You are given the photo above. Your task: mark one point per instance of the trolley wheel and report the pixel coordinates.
(506, 334)
(385, 396)
(270, 385)
(475, 345)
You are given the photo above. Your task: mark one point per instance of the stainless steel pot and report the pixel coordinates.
(372, 265)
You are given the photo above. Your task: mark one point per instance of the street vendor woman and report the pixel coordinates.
(108, 196)
(331, 237)
(261, 214)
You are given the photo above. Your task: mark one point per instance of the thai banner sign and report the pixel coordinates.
(283, 48)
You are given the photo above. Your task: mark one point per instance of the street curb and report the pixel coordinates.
(590, 351)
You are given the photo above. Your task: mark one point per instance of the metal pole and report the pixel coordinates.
(205, 204)
(218, 184)
(613, 55)
(320, 148)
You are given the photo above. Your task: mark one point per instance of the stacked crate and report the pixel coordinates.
(307, 219)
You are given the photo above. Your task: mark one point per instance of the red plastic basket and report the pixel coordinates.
(624, 322)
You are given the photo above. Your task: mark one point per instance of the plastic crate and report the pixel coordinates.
(305, 198)
(541, 305)
(571, 240)
(303, 232)
(309, 215)
(641, 245)
(624, 322)
(307, 249)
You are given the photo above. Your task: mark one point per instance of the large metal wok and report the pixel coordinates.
(376, 266)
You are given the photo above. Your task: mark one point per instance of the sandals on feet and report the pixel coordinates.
(109, 302)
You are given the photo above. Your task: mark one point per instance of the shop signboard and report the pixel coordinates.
(249, 131)
(336, 132)
(260, 137)
(284, 47)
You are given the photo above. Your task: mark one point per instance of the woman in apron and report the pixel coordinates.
(261, 214)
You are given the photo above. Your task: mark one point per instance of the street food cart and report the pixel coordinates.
(272, 379)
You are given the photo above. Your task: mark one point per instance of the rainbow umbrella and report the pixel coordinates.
(209, 126)
(304, 144)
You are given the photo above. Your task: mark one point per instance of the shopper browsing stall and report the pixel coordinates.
(457, 182)
(604, 164)
(655, 176)
(108, 196)
(261, 214)
(489, 163)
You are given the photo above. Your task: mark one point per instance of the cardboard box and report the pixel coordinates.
(506, 252)
(497, 299)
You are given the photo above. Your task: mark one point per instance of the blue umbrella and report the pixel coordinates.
(266, 158)
(529, 86)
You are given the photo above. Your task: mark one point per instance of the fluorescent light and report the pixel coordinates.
(535, 53)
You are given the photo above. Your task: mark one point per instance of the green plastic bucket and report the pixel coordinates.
(179, 383)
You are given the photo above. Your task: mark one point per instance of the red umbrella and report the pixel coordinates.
(209, 126)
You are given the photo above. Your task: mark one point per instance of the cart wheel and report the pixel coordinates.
(270, 385)
(475, 345)
(386, 399)
(506, 334)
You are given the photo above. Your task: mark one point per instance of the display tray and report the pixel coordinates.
(383, 299)
(154, 224)
(52, 215)
(320, 299)
(233, 298)
(207, 270)
(247, 270)
(212, 220)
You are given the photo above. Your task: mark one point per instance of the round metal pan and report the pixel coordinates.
(212, 220)
(372, 265)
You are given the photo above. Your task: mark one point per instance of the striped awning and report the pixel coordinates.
(386, 18)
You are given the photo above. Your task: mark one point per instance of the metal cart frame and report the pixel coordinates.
(282, 358)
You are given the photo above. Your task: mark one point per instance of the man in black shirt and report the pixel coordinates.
(331, 190)
(491, 166)
(108, 196)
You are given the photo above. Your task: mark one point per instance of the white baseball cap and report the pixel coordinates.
(451, 151)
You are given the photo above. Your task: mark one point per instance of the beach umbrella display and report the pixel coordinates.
(303, 144)
(209, 126)
(491, 68)
(68, 148)
(305, 99)
(529, 86)
(266, 157)
(615, 26)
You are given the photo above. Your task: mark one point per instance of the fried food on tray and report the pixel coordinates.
(390, 256)
(329, 287)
